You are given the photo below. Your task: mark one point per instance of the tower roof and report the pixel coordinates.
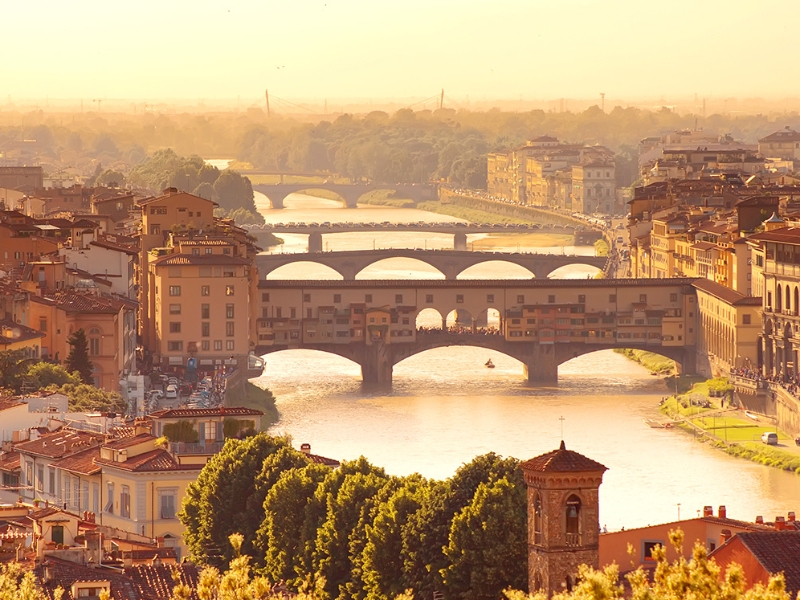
(562, 461)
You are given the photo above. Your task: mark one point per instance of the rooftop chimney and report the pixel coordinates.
(724, 536)
(791, 517)
(305, 448)
(760, 519)
(723, 512)
(780, 523)
(708, 511)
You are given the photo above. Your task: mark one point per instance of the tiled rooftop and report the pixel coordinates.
(562, 461)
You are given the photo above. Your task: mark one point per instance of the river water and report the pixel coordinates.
(444, 407)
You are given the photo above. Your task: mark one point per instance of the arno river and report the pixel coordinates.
(445, 407)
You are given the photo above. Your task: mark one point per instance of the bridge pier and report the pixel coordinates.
(376, 365)
(541, 367)
(315, 242)
(460, 241)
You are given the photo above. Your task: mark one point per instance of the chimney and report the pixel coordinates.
(760, 520)
(305, 448)
(724, 536)
(48, 572)
(708, 511)
(791, 517)
(723, 512)
(780, 523)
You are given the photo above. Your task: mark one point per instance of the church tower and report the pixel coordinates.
(563, 517)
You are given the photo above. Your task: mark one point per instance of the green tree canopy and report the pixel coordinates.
(78, 357)
(43, 374)
(84, 397)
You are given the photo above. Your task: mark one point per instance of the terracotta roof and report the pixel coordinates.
(225, 411)
(128, 441)
(64, 573)
(101, 243)
(726, 294)
(82, 462)
(782, 135)
(562, 461)
(9, 461)
(776, 551)
(206, 259)
(86, 303)
(157, 582)
(48, 511)
(155, 460)
(59, 444)
(786, 235)
(18, 333)
(6, 403)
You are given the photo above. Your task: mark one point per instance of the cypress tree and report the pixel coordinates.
(78, 357)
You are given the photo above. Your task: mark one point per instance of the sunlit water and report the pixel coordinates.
(445, 407)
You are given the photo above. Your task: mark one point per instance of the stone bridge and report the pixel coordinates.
(448, 262)
(349, 193)
(540, 361)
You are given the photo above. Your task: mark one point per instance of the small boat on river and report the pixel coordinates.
(489, 364)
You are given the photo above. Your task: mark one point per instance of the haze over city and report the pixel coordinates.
(358, 49)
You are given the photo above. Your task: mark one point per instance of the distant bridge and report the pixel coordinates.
(349, 193)
(459, 230)
(448, 262)
(542, 323)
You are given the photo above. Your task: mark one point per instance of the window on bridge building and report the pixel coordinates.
(264, 296)
(367, 297)
(612, 297)
(490, 297)
(520, 299)
(306, 297)
(459, 298)
(428, 298)
(398, 298)
(673, 297)
(551, 299)
(581, 298)
(745, 319)
(643, 298)
(337, 298)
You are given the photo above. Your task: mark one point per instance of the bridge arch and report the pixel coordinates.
(305, 269)
(321, 358)
(576, 270)
(489, 269)
(400, 267)
(429, 319)
(328, 198)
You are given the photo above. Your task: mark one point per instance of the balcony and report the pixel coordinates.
(573, 539)
(195, 448)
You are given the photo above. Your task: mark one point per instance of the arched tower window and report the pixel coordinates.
(788, 299)
(537, 520)
(779, 299)
(94, 342)
(573, 514)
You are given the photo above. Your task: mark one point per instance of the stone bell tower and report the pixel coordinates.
(563, 517)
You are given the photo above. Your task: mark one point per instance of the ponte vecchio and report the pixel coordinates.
(542, 323)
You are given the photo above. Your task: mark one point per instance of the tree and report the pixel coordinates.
(43, 374)
(78, 357)
(279, 539)
(20, 584)
(11, 369)
(218, 503)
(488, 549)
(234, 191)
(110, 178)
(84, 397)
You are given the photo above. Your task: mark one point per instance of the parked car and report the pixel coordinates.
(172, 392)
(770, 438)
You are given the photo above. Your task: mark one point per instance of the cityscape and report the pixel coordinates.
(407, 329)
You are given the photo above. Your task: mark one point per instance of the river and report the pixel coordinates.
(444, 407)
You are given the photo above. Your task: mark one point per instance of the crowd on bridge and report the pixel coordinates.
(788, 381)
(460, 330)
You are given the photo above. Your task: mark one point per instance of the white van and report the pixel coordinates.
(172, 392)
(770, 438)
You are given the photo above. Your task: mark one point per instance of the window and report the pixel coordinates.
(174, 290)
(490, 297)
(109, 507)
(155, 229)
(51, 482)
(367, 297)
(125, 502)
(551, 299)
(745, 319)
(195, 251)
(520, 299)
(647, 550)
(537, 520)
(205, 290)
(264, 296)
(229, 328)
(229, 290)
(40, 478)
(209, 251)
(573, 510)
(175, 327)
(175, 272)
(643, 298)
(612, 297)
(205, 345)
(205, 329)
(94, 346)
(398, 298)
(174, 309)
(337, 298)
(205, 311)
(42, 325)
(459, 298)
(229, 311)
(166, 503)
(306, 297)
(582, 298)
(217, 344)
(673, 297)
(57, 534)
(175, 346)
(229, 345)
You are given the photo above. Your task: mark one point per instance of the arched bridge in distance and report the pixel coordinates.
(448, 262)
(348, 192)
(542, 323)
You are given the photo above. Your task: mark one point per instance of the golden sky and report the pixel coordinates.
(316, 49)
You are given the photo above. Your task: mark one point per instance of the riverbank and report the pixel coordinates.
(655, 363)
(257, 398)
(702, 412)
(469, 214)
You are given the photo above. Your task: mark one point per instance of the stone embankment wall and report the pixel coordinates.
(534, 215)
(769, 399)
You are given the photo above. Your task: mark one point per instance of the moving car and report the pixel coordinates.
(770, 438)
(172, 392)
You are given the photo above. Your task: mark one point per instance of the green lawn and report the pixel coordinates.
(733, 429)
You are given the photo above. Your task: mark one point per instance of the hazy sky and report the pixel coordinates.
(306, 49)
